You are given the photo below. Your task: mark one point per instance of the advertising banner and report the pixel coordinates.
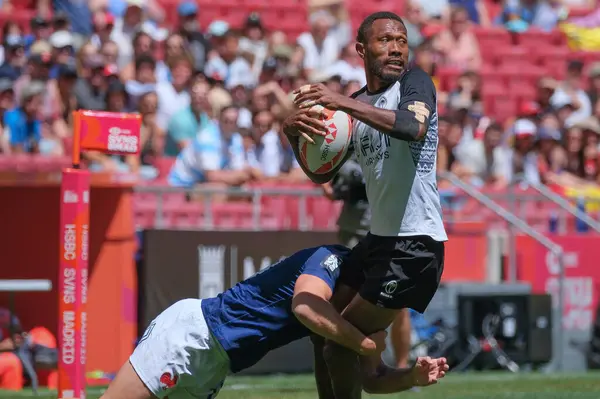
(182, 264)
(109, 132)
(582, 276)
(201, 264)
(73, 276)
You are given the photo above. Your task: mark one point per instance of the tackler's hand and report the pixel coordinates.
(428, 371)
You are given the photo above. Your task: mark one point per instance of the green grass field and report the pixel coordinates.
(461, 386)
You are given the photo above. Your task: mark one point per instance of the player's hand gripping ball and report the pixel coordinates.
(329, 149)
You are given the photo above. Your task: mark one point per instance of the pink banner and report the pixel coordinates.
(73, 275)
(582, 278)
(110, 132)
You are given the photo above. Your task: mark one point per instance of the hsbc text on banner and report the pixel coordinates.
(73, 274)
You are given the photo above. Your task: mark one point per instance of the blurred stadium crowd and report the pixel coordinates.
(517, 85)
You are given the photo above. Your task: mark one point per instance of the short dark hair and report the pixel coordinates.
(145, 59)
(494, 126)
(367, 23)
(138, 35)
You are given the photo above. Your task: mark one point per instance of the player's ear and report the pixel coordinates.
(360, 49)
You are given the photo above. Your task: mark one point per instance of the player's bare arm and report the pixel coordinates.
(342, 296)
(383, 45)
(409, 122)
(378, 378)
(312, 307)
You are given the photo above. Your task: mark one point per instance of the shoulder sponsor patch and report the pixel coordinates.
(420, 110)
(332, 262)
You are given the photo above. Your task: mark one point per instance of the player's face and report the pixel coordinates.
(386, 51)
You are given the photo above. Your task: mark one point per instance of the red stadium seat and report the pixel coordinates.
(492, 37)
(144, 215)
(42, 163)
(164, 165)
(232, 215)
(533, 38)
(189, 215)
(504, 107)
(518, 56)
(320, 212)
(23, 163)
(513, 75)
(448, 77)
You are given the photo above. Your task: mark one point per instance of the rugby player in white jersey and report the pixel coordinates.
(395, 141)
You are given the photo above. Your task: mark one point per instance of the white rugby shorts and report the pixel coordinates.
(177, 357)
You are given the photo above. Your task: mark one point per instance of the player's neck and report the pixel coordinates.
(376, 85)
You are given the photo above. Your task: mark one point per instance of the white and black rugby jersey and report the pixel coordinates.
(401, 176)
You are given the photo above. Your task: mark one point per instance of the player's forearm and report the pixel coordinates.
(386, 380)
(399, 124)
(228, 177)
(319, 316)
(324, 388)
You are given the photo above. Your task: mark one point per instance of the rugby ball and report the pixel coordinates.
(329, 150)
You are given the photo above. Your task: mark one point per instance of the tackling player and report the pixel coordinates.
(189, 349)
(394, 135)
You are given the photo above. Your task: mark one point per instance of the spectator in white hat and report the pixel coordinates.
(62, 49)
(524, 165)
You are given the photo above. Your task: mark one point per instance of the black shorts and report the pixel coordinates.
(399, 272)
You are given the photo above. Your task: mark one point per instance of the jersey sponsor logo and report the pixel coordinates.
(331, 263)
(168, 380)
(373, 147)
(420, 110)
(389, 289)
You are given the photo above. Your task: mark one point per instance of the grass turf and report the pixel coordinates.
(459, 386)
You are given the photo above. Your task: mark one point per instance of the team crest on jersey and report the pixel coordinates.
(331, 263)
